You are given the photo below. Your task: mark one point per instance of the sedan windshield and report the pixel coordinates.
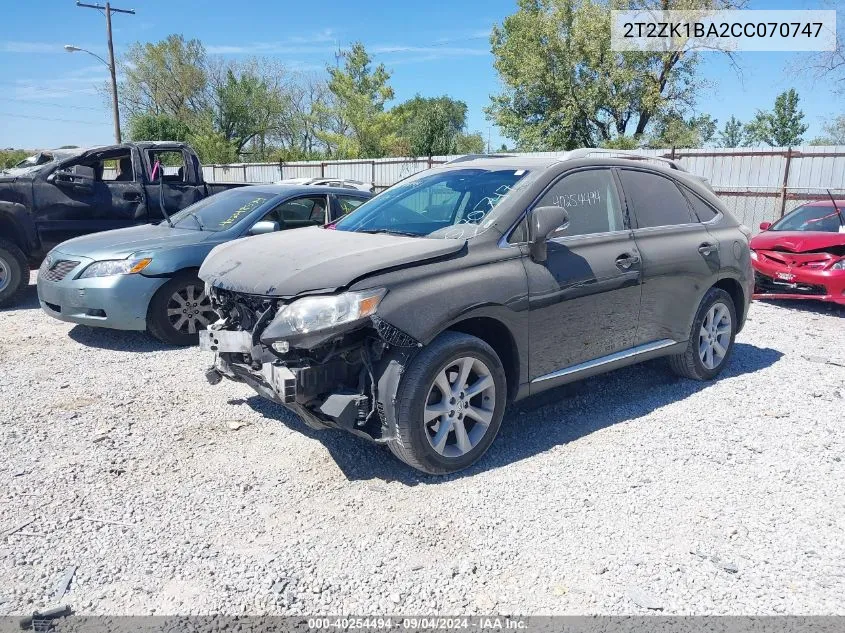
(453, 203)
(811, 218)
(221, 211)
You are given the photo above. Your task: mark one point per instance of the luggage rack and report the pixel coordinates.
(584, 152)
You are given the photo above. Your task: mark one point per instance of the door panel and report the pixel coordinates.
(680, 257)
(583, 303)
(65, 212)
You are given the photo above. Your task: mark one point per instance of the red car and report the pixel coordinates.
(802, 255)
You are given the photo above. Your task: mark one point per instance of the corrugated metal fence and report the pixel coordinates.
(757, 184)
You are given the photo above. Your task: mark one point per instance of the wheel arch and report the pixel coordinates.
(734, 289)
(11, 228)
(498, 336)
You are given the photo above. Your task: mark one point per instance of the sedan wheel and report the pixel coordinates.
(189, 309)
(459, 407)
(714, 337)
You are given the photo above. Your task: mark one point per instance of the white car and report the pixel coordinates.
(346, 183)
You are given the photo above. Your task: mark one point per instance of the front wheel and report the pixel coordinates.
(179, 310)
(14, 271)
(711, 339)
(450, 404)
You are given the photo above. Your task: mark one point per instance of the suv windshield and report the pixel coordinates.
(453, 203)
(220, 212)
(816, 218)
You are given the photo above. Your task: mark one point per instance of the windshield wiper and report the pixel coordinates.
(198, 221)
(389, 232)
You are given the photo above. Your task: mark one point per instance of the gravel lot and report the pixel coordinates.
(624, 493)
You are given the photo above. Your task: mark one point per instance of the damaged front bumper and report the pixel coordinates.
(348, 383)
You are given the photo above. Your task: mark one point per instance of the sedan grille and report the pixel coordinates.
(59, 269)
(767, 285)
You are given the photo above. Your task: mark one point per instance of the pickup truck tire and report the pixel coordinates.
(711, 338)
(179, 309)
(14, 271)
(450, 404)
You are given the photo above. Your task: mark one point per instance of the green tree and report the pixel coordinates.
(11, 157)
(781, 127)
(431, 125)
(674, 131)
(157, 127)
(565, 88)
(360, 126)
(732, 134)
(834, 132)
(470, 143)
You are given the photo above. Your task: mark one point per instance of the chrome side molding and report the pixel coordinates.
(603, 360)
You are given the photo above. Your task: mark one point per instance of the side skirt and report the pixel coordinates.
(622, 358)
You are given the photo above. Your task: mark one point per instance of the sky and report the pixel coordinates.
(49, 97)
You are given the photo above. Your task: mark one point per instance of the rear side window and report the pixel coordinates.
(590, 198)
(656, 200)
(348, 204)
(703, 210)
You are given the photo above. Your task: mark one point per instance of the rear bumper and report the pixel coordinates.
(781, 282)
(117, 301)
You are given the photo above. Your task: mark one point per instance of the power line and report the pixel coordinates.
(49, 103)
(44, 118)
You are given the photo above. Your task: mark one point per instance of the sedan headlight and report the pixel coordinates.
(310, 314)
(840, 265)
(115, 267)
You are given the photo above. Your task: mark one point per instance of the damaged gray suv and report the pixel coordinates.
(416, 318)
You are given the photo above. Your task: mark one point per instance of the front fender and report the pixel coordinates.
(169, 262)
(16, 220)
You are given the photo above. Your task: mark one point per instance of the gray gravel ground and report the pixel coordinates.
(625, 493)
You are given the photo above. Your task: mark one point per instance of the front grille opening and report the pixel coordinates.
(60, 269)
(53, 307)
(767, 285)
(96, 313)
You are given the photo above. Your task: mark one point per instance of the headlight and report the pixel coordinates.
(319, 313)
(115, 267)
(840, 265)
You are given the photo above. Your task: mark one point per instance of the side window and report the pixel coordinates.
(591, 200)
(656, 200)
(305, 209)
(348, 204)
(701, 209)
(118, 169)
(172, 163)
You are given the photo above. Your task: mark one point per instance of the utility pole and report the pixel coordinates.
(107, 10)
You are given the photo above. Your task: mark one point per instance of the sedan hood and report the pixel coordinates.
(121, 243)
(796, 241)
(314, 259)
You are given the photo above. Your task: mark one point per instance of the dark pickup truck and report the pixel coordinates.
(59, 194)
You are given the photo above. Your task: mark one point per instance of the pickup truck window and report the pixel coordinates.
(454, 203)
(220, 212)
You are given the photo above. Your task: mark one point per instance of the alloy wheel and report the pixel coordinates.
(714, 337)
(5, 274)
(459, 407)
(189, 309)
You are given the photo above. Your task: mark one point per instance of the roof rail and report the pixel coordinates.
(583, 152)
(466, 157)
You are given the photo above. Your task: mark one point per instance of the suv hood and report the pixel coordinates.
(314, 259)
(121, 243)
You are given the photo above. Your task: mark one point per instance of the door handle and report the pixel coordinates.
(132, 196)
(625, 261)
(707, 248)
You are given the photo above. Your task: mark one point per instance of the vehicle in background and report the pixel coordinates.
(60, 194)
(802, 255)
(483, 281)
(145, 277)
(346, 183)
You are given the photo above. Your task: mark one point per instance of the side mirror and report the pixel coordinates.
(542, 222)
(263, 227)
(764, 226)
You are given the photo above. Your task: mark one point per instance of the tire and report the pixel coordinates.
(445, 358)
(695, 363)
(14, 272)
(171, 322)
